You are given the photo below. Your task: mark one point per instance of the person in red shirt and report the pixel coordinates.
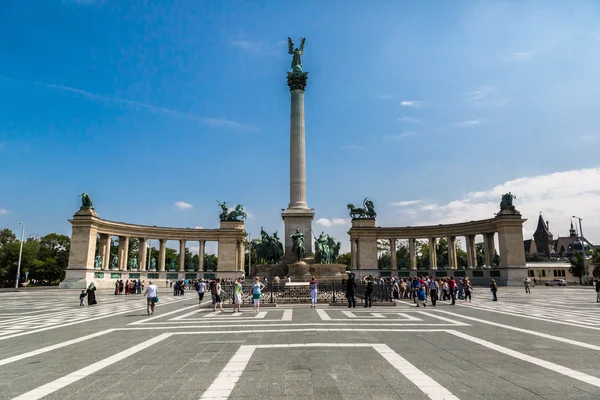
(451, 286)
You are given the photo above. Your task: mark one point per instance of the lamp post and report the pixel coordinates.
(585, 266)
(149, 254)
(249, 253)
(20, 254)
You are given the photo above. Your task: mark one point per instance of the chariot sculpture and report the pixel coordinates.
(366, 212)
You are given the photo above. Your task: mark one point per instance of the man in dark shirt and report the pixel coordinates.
(350, 286)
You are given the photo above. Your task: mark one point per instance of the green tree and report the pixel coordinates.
(461, 255)
(402, 254)
(345, 258)
(422, 252)
(52, 258)
(577, 268)
(595, 263)
(7, 236)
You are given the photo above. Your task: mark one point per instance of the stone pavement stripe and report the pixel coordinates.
(184, 316)
(287, 315)
(426, 384)
(530, 317)
(299, 330)
(432, 315)
(276, 323)
(222, 387)
(323, 315)
(261, 314)
(377, 315)
(60, 383)
(580, 376)
(53, 347)
(162, 315)
(409, 317)
(527, 331)
(77, 322)
(349, 314)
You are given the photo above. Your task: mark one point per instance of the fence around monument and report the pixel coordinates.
(326, 293)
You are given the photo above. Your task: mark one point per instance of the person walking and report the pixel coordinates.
(597, 290)
(433, 291)
(451, 287)
(256, 293)
(91, 294)
(421, 296)
(82, 298)
(468, 289)
(237, 296)
(494, 290)
(218, 294)
(151, 294)
(313, 293)
(368, 291)
(350, 288)
(201, 290)
(527, 284)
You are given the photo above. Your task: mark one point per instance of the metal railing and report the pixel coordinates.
(326, 293)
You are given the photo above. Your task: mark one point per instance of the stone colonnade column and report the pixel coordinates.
(413, 253)
(471, 252)
(432, 254)
(181, 255)
(123, 252)
(393, 267)
(143, 254)
(162, 253)
(201, 255)
(105, 249)
(452, 262)
(241, 256)
(354, 253)
(489, 248)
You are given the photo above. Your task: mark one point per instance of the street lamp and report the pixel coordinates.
(585, 266)
(20, 253)
(249, 254)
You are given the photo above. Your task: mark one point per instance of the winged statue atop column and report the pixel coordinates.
(297, 52)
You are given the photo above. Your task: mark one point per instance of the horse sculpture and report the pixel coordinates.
(270, 249)
(366, 212)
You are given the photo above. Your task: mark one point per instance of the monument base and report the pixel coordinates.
(299, 272)
(297, 218)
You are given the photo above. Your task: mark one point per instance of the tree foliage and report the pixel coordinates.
(577, 268)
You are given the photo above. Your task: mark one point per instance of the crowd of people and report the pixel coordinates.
(129, 287)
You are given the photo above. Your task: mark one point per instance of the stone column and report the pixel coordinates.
(123, 252)
(241, 256)
(490, 248)
(486, 250)
(393, 266)
(452, 262)
(413, 253)
(201, 255)
(471, 252)
(353, 253)
(102, 250)
(82, 250)
(162, 253)
(432, 254)
(181, 255)
(143, 254)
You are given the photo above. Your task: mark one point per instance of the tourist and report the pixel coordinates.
(81, 298)
(461, 288)
(127, 287)
(421, 296)
(451, 287)
(433, 291)
(256, 292)
(350, 288)
(276, 280)
(395, 290)
(527, 284)
(445, 289)
(415, 286)
(151, 294)
(237, 295)
(494, 290)
(218, 291)
(91, 294)
(368, 291)
(468, 289)
(597, 290)
(201, 289)
(313, 293)
(289, 279)
(117, 288)
(139, 286)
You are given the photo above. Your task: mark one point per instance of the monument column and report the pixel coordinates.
(452, 262)
(297, 215)
(162, 253)
(143, 254)
(201, 255)
(432, 254)
(123, 252)
(102, 250)
(471, 252)
(413, 253)
(181, 255)
(241, 258)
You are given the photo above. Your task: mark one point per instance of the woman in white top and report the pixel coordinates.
(256, 293)
(151, 294)
(313, 292)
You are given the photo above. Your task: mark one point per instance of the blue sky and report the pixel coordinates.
(419, 105)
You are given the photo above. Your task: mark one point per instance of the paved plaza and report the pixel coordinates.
(539, 346)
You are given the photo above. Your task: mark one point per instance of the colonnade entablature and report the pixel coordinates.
(88, 228)
(507, 224)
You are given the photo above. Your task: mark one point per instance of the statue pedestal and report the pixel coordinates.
(302, 220)
(299, 272)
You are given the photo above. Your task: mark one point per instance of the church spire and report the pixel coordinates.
(572, 231)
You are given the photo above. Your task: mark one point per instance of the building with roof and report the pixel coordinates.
(544, 244)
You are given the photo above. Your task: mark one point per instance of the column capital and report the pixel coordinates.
(297, 80)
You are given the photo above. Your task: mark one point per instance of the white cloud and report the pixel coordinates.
(408, 119)
(469, 123)
(182, 205)
(411, 103)
(406, 203)
(198, 227)
(331, 222)
(400, 136)
(479, 94)
(351, 147)
(558, 195)
(3, 211)
(194, 249)
(522, 55)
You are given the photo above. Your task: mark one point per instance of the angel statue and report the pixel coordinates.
(297, 52)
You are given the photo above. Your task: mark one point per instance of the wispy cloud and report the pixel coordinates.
(469, 123)
(259, 46)
(480, 93)
(522, 55)
(330, 222)
(138, 105)
(411, 103)
(484, 96)
(351, 147)
(406, 203)
(182, 205)
(3, 211)
(385, 96)
(400, 136)
(408, 119)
